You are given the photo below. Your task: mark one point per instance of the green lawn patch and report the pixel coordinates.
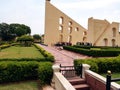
(114, 75)
(27, 85)
(20, 52)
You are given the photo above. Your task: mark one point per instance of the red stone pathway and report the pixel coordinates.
(63, 57)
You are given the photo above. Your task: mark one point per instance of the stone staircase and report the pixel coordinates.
(79, 83)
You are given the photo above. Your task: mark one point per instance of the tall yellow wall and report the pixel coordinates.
(52, 32)
(98, 30)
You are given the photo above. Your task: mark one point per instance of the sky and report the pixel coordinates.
(32, 12)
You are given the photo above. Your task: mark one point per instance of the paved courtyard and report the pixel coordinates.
(63, 57)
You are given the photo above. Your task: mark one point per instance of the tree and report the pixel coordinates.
(20, 29)
(26, 28)
(37, 38)
(10, 32)
(5, 33)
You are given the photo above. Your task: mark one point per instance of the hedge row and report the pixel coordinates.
(100, 47)
(48, 56)
(27, 59)
(94, 53)
(4, 46)
(19, 71)
(7, 45)
(101, 65)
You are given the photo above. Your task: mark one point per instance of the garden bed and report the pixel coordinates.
(25, 63)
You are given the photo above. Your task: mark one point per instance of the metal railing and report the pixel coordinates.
(71, 71)
(109, 80)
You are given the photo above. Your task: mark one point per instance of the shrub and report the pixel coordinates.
(93, 52)
(7, 45)
(93, 65)
(101, 65)
(45, 72)
(18, 71)
(4, 46)
(27, 59)
(47, 55)
(25, 40)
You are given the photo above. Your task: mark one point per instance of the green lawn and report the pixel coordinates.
(114, 75)
(20, 52)
(28, 85)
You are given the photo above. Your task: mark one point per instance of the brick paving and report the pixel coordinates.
(63, 57)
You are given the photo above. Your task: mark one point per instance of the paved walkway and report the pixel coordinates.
(63, 57)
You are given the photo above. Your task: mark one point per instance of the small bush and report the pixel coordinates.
(45, 73)
(25, 40)
(93, 52)
(101, 65)
(48, 56)
(18, 71)
(7, 45)
(4, 46)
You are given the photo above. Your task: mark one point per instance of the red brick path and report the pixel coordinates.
(63, 57)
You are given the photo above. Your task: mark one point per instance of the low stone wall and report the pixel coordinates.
(60, 82)
(98, 82)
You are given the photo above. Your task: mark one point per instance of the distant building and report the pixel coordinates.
(61, 28)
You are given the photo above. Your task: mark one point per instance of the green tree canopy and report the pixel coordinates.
(37, 36)
(10, 32)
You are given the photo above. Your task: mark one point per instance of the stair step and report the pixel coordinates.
(77, 81)
(82, 87)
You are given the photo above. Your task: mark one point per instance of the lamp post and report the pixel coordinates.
(108, 80)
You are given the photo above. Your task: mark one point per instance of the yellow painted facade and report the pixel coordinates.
(61, 28)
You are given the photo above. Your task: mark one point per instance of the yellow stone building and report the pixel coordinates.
(61, 28)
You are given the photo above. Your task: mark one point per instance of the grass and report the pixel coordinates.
(28, 85)
(95, 48)
(20, 52)
(114, 75)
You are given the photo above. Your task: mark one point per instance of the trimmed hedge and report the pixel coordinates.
(27, 59)
(101, 47)
(48, 56)
(4, 46)
(19, 71)
(45, 73)
(7, 45)
(101, 65)
(94, 53)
